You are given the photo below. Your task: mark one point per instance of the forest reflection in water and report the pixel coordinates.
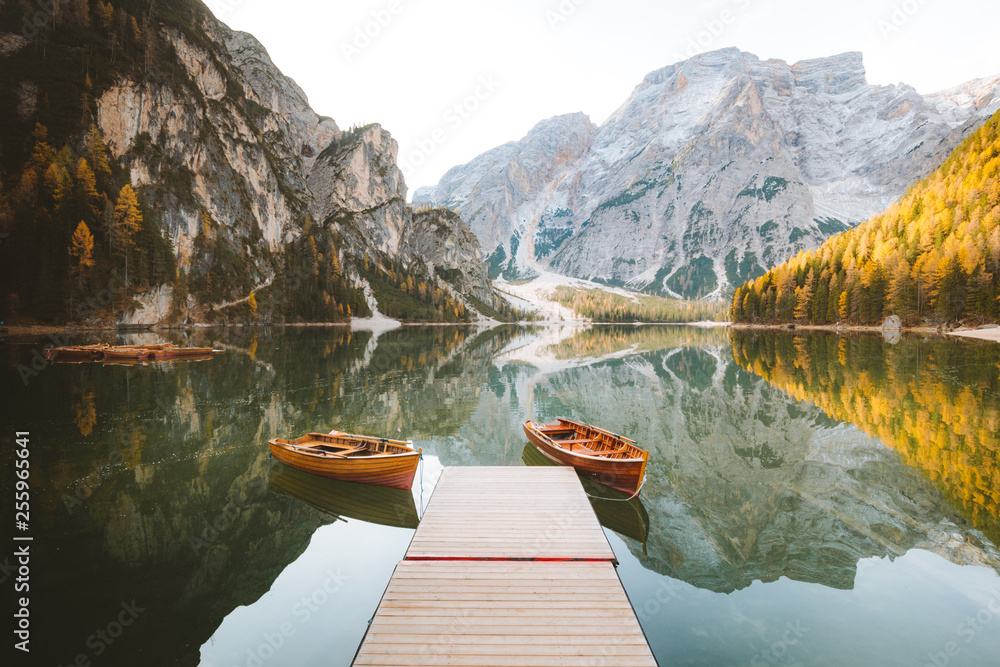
(773, 456)
(935, 402)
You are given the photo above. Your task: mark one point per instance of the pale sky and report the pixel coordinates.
(509, 64)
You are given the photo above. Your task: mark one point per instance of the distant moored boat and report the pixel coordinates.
(76, 352)
(128, 353)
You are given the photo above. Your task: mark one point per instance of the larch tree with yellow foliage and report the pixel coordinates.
(81, 253)
(933, 254)
(127, 221)
(86, 198)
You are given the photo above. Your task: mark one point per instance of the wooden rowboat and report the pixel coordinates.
(76, 352)
(171, 351)
(599, 455)
(128, 352)
(351, 458)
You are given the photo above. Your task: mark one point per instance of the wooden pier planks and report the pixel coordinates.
(508, 567)
(505, 613)
(509, 513)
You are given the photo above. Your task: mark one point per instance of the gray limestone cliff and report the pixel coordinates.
(253, 191)
(713, 170)
(440, 238)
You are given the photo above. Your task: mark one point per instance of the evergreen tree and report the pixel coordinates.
(786, 297)
(803, 298)
(58, 185)
(97, 152)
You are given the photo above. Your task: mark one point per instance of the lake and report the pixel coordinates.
(811, 499)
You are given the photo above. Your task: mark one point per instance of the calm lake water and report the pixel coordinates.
(810, 500)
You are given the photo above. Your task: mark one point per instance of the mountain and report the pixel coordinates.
(933, 256)
(714, 169)
(238, 187)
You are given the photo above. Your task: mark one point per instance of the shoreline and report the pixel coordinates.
(16, 330)
(853, 328)
(980, 334)
(13, 330)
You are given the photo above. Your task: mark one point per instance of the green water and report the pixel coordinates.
(810, 499)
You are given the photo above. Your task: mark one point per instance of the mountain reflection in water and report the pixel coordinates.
(773, 456)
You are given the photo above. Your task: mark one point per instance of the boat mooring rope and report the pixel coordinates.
(621, 500)
(421, 466)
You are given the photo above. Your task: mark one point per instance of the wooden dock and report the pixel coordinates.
(509, 566)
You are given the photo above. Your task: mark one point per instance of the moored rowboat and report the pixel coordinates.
(599, 455)
(117, 353)
(76, 352)
(351, 458)
(173, 352)
(128, 352)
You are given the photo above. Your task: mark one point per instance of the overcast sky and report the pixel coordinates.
(508, 64)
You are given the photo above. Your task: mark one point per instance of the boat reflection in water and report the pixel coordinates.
(618, 511)
(146, 362)
(382, 505)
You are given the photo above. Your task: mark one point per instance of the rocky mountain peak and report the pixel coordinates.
(834, 75)
(712, 170)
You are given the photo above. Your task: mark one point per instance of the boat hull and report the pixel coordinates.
(76, 352)
(625, 475)
(127, 353)
(614, 509)
(183, 352)
(395, 470)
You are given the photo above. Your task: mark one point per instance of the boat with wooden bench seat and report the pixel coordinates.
(351, 458)
(76, 352)
(171, 351)
(129, 353)
(599, 455)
